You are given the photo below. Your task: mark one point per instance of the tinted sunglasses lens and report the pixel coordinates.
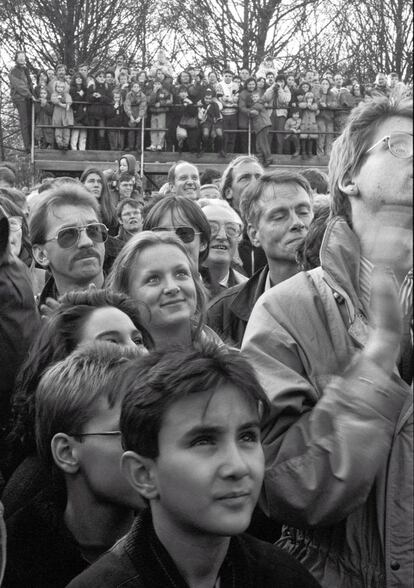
(68, 237)
(98, 233)
(186, 234)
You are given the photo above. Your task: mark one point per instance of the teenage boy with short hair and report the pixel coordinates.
(190, 425)
(89, 504)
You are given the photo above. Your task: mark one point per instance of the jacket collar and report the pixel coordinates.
(49, 291)
(155, 565)
(248, 294)
(340, 257)
(340, 260)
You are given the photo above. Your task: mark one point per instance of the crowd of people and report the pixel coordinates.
(211, 386)
(294, 113)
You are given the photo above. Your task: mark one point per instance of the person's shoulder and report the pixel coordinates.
(296, 285)
(112, 570)
(271, 565)
(293, 297)
(225, 297)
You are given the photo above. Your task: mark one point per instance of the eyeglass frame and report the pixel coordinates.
(240, 227)
(103, 433)
(387, 140)
(19, 220)
(174, 230)
(79, 229)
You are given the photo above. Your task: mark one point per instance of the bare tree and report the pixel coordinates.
(74, 31)
(220, 32)
(376, 35)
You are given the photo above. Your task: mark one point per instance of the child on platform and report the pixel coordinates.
(43, 113)
(291, 140)
(211, 121)
(62, 117)
(190, 426)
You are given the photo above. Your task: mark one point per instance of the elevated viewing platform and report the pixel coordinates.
(57, 161)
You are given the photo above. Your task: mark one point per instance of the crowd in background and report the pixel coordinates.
(296, 113)
(136, 438)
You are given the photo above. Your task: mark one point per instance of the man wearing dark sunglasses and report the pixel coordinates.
(68, 240)
(333, 350)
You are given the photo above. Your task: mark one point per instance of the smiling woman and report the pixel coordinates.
(184, 217)
(156, 270)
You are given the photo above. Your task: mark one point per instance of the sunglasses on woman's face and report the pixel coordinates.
(186, 234)
(69, 236)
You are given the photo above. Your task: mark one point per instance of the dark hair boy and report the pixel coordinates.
(190, 425)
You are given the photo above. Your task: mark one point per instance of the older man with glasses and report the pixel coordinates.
(333, 350)
(68, 240)
(226, 230)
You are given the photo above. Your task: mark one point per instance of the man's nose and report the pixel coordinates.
(221, 233)
(84, 239)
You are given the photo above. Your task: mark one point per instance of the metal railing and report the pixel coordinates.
(143, 129)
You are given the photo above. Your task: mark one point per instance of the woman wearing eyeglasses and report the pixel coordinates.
(156, 270)
(185, 218)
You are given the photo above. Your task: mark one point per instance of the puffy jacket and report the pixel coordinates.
(135, 104)
(339, 449)
(21, 87)
(163, 97)
(279, 98)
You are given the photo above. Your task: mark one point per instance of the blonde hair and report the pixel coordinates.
(119, 278)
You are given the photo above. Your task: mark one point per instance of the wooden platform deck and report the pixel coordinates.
(59, 162)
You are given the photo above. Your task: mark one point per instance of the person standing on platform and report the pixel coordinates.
(21, 90)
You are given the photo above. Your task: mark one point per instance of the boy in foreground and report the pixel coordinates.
(190, 424)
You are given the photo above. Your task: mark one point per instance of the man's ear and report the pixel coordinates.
(228, 193)
(64, 453)
(140, 473)
(253, 235)
(348, 186)
(40, 255)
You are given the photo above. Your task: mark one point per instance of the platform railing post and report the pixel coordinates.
(141, 172)
(249, 139)
(32, 136)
